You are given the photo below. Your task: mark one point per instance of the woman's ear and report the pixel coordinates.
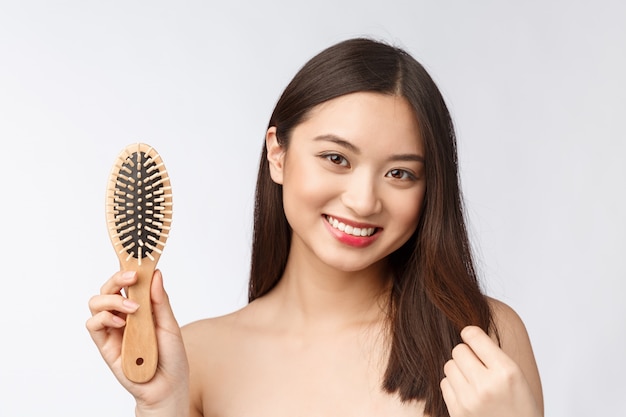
(275, 155)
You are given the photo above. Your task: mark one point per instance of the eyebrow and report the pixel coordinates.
(344, 143)
(338, 141)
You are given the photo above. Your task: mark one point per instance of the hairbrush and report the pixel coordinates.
(139, 216)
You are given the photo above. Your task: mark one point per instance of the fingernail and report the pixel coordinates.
(130, 304)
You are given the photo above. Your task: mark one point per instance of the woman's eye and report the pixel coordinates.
(337, 159)
(400, 174)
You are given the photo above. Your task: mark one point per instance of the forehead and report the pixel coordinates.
(366, 119)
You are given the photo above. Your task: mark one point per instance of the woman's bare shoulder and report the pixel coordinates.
(210, 344)
(220, 333)
(515, 342)
(505, 317)
(510, 327)
(212, 329)
(211, 325)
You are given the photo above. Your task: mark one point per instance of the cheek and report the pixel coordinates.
(408, 209)
(304, 188)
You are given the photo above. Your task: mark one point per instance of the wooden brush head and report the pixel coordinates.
(139, 205)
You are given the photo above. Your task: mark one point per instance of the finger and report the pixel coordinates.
(118, 281)
(99, 325)
(104, 320)
(107, 331)
(483, 346)
(113, 303)
(163, 314)
(449, 396)
(470, 366)
(454, 375)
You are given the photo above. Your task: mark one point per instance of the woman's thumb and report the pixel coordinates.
(163, 314)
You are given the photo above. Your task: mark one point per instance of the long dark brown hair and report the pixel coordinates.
(435, 289)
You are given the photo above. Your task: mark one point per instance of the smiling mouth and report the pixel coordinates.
(351, 230)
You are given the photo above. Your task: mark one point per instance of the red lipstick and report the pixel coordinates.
(368, 232)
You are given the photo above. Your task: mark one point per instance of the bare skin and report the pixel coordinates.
(318, 347)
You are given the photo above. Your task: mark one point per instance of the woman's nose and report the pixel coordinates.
(361, 197)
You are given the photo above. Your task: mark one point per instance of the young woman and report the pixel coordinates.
(363, 296)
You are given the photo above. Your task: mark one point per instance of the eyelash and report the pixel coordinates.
(334, 157)
(407, 176)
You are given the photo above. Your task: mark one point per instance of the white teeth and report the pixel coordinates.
(354, 231)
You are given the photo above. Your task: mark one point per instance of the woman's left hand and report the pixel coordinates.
(483, 381)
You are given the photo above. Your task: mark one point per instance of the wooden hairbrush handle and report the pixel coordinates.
(140, 355)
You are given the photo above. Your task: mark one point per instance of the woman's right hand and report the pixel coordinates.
(167, 393)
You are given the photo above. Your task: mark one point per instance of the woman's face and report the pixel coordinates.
(353, 179)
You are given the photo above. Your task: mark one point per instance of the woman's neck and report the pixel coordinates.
(313, 294)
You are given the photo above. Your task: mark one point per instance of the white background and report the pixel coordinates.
(537, 90)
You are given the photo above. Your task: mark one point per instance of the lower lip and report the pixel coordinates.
(350, 240)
